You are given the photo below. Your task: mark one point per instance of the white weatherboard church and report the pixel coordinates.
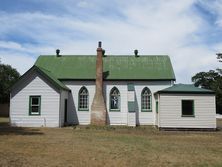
(108, 90)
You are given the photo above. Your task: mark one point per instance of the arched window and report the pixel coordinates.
(146, 103)
(114, 99)
(83, 99)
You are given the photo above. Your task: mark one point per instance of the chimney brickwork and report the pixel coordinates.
(98, 108)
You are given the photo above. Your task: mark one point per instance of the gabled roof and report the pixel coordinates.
(114, 67)
(186, 88)
(52, 78)
(47, 75)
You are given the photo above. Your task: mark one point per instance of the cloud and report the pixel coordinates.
(85, 4)
(10, 45)
(213, 7)
(152, 27)
(20, 62)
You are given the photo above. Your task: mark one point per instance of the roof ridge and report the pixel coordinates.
(105, 56)
(184, 84)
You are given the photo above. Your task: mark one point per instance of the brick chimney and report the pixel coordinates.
(98, 108)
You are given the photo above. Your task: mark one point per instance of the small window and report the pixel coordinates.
(83, 99)
(146, 100)
(187, 108)
(114, 99)
(34, 105)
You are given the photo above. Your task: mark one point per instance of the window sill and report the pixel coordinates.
(30, 114)
(83, 109)
(131, 111)
(146, 110)
(114, 110)
(187, 115)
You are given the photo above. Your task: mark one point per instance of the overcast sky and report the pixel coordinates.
(189, 31)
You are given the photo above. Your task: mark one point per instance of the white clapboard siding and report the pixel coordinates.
(116, 117)
(113, 118)
(131, 119)
(19, 103)
(74, 115)
(148, 118)
(170, 111)
(142, 118)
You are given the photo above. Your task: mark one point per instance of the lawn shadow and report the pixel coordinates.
(219, 123)
(6, 129)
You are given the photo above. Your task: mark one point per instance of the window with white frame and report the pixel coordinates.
(114, 99)
(146, 96)
(83, 99)
(34, 105)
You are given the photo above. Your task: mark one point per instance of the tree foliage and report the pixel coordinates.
(219, 57)
(211, 80)
(8, 77)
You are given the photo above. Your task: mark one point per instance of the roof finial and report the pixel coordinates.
(100, 44)
(136, 53)
(57, 53)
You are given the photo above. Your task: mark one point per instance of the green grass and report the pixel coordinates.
(107, 146)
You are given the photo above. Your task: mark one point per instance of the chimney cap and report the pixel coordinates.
(136, 53)
(57, 53)
(99, 44)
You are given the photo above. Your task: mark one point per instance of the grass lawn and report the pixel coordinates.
(107, 146)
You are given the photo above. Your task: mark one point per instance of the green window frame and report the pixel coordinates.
(146, 100)
(114, 102)
(187, 108)
(34, 105)
(83, 99)
(157, 106)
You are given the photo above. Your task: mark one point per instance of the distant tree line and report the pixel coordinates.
(8, 77)
(211, 80)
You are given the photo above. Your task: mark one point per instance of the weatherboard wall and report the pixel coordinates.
(148, 118)
(33, 84)
(117, 117)
(142, 118)
(76, 116)
(170, 114)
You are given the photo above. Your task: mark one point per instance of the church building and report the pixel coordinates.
(105, 89)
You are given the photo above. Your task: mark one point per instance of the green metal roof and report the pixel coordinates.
(46, 74)
(186, 88)
(52, 78)
(114, 67)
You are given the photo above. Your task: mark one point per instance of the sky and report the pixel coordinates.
(189, 31)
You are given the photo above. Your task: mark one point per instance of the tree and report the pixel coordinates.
(8, 77)
(219, 56)
(211, 80)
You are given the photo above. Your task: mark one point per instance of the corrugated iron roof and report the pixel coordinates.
(54, 80)
(46, 74)
(186, 88)
(114, 67)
